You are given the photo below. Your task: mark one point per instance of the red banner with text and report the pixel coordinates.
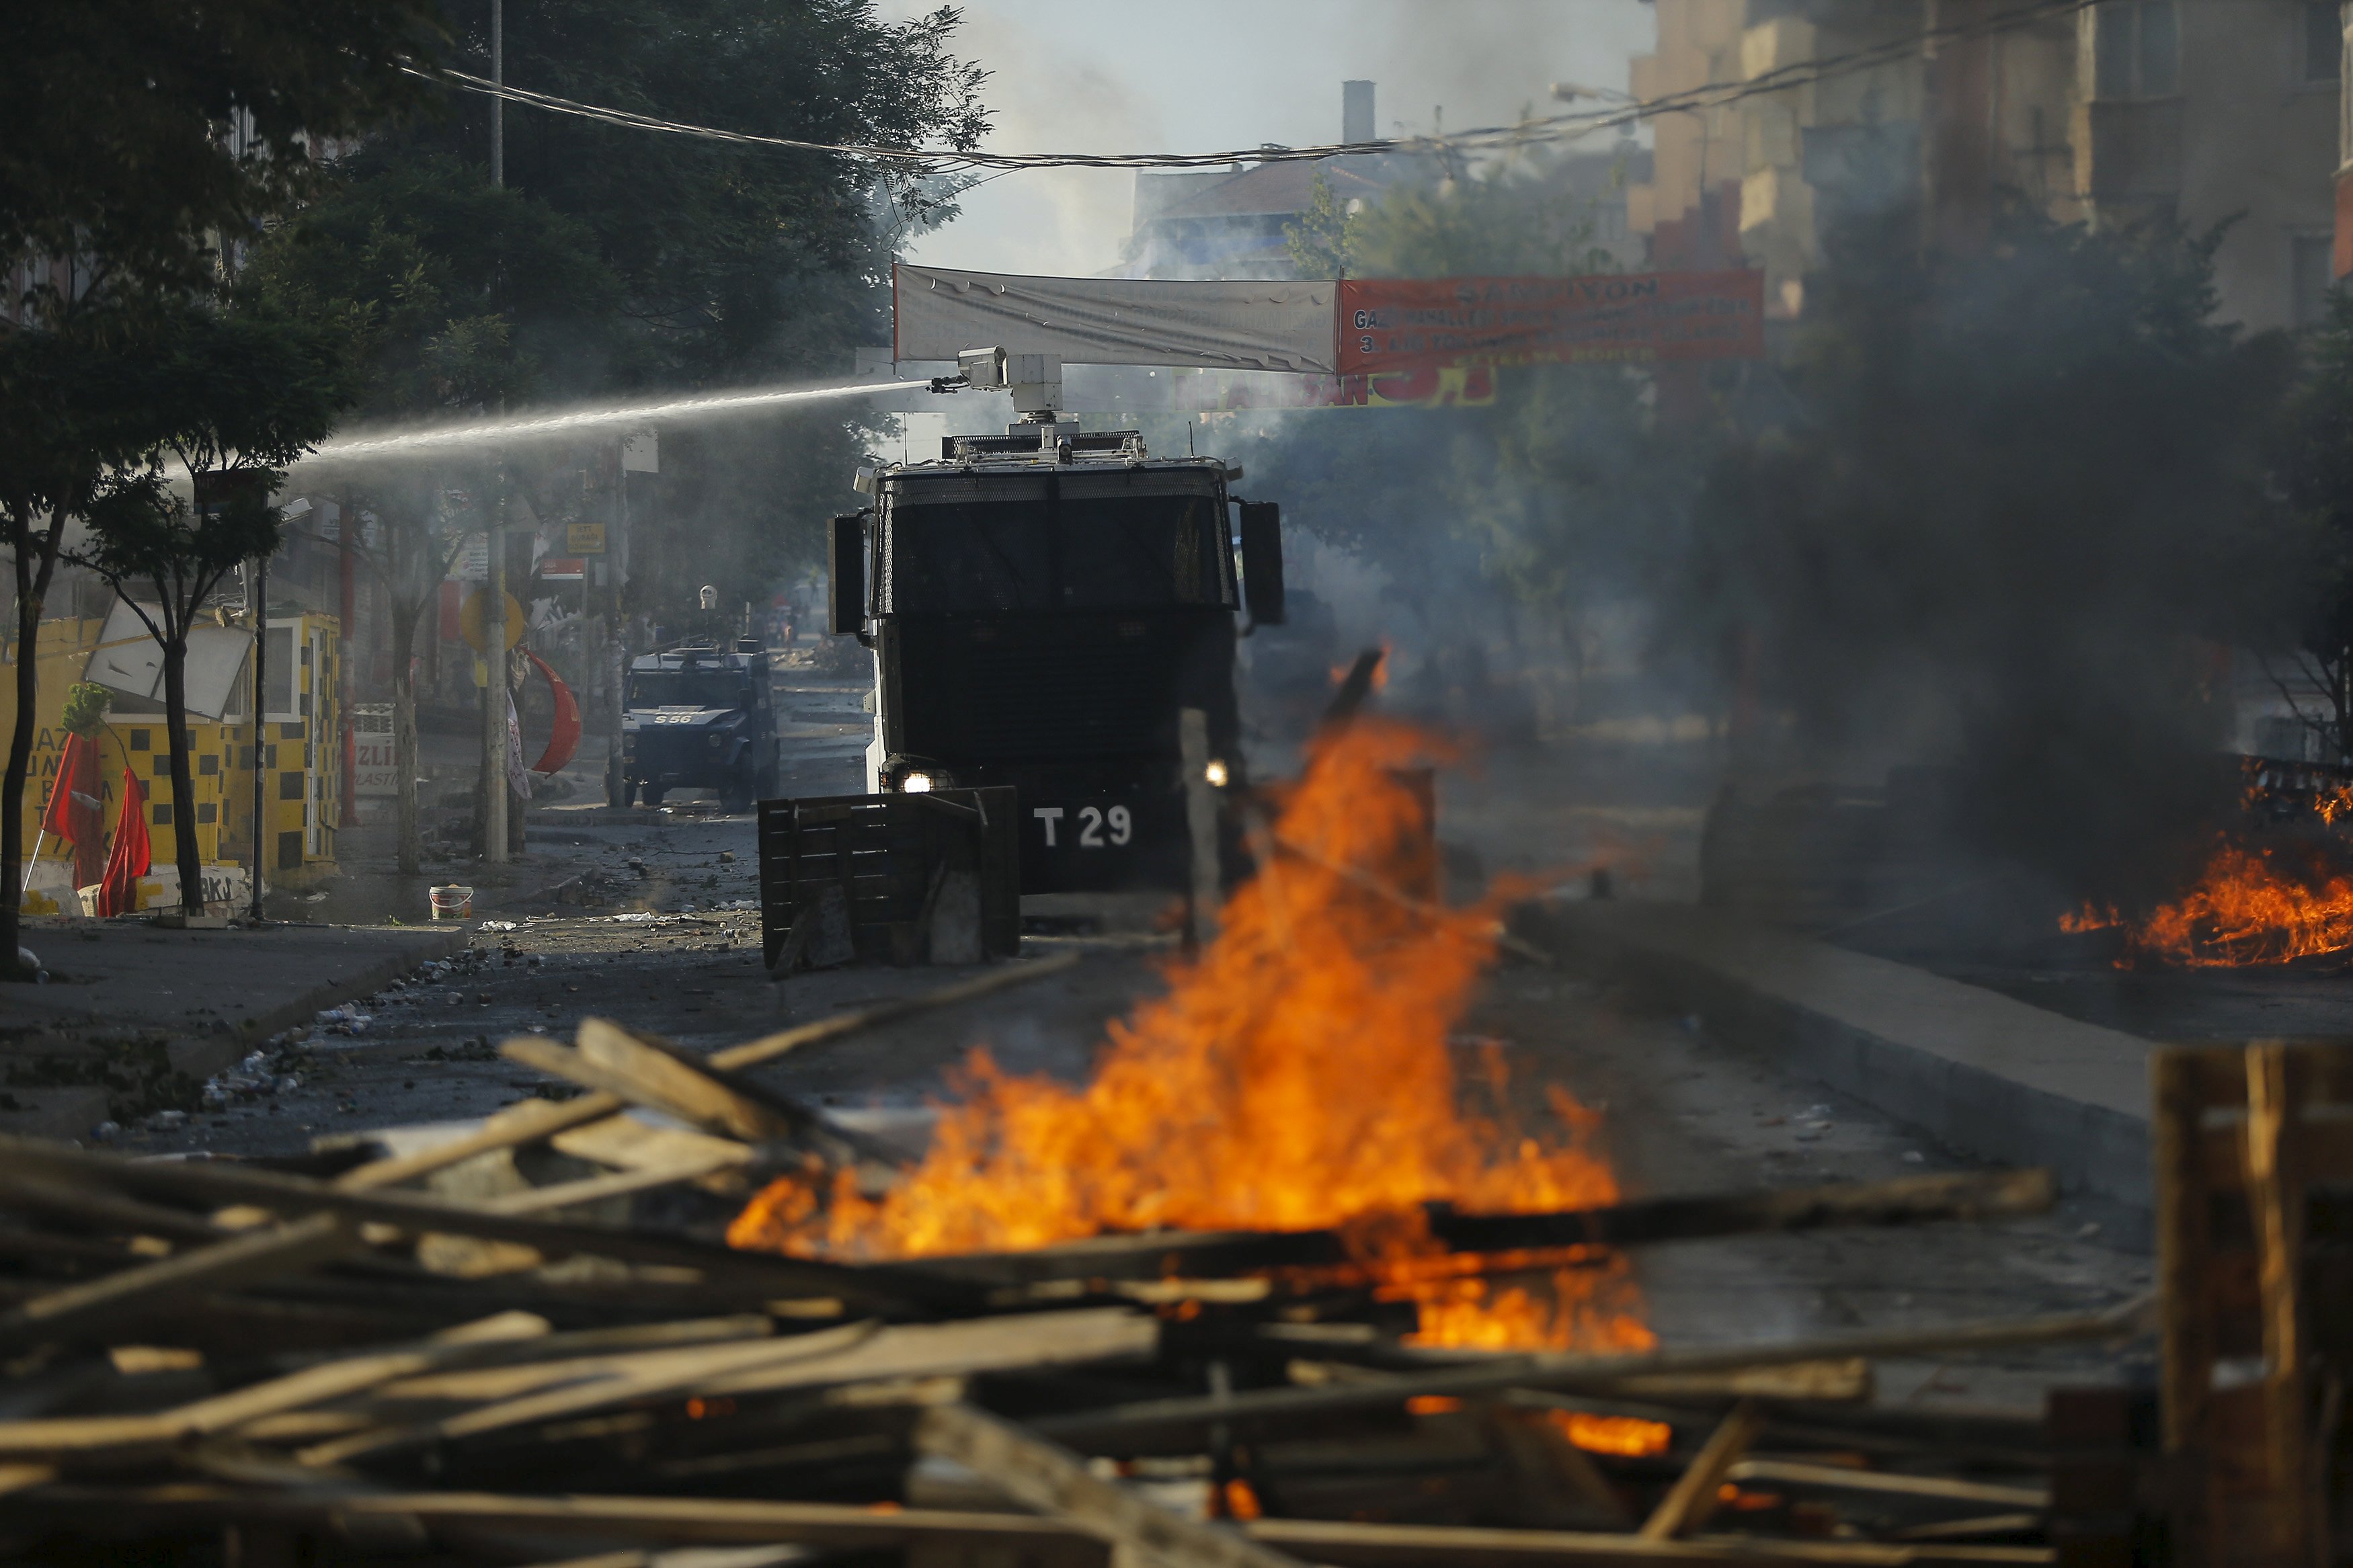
(1402, 325)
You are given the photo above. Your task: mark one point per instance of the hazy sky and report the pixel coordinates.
(1206, 74)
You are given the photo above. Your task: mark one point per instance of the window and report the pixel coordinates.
(138, 740)
(289, 787)
(689, 688)
(160, 814)
(2324, 40)
(277, 671)
(2310, 267)
(1103, 553)
(2136, 50)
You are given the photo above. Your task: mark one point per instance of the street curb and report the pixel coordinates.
(1981, 1074)
(203, 1055)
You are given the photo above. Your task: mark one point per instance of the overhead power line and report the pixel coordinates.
(1526, 132)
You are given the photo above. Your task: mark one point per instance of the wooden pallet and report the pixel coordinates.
(2253, 1147)
(863, 877)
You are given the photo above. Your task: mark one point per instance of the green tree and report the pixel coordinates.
(140, 142)
(234, 399)
(735, 266)
(456, 296)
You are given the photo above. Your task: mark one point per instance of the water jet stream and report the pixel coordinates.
(567, 422)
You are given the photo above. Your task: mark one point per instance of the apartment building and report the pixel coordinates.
(2208, 111)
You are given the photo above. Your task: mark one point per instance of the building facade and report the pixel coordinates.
(2203, 111)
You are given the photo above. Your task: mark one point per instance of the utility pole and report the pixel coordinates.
(494, 672)
(498, 104)
(494, 540)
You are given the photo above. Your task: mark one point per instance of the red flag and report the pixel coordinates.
(74, 812)
(118, 892)
(80, 758)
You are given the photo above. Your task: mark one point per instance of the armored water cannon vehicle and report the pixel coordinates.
(1042, 606)
(699, 716)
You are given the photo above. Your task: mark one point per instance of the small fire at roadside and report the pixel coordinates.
(2248, 906)
(1296, 1074)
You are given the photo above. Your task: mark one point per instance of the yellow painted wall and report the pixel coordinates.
(220, 761)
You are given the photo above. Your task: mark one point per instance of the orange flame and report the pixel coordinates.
(2245, 909)
(1629, 1436)
(1296, 1074)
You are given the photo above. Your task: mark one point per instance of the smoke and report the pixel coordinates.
(2014, 526)
(1130, 76)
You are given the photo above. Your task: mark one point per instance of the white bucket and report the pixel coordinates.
(453, 902)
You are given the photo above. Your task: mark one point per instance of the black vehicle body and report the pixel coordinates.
(700, 717)
(1041, 612)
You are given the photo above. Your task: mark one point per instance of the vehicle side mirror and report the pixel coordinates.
(1263, 561)
(845, 567)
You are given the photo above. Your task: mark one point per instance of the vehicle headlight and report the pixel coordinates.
(915, 783)
(715, 740)
(1216, 772)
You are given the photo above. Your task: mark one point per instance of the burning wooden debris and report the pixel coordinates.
(518, 1370)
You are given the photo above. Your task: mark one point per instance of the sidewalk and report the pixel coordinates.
(127, 999)
(1983, 1074)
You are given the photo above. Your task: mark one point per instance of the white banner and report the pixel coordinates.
(1287, 326)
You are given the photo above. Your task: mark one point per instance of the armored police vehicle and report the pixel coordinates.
(1042, 606)
(698, 717)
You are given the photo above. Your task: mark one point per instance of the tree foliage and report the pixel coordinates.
(228, 399)
(135, 134)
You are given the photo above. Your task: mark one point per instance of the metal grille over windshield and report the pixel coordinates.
(1127, 552)
(689, 688)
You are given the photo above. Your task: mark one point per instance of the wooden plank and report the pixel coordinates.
(1692, 1497)
(1023, 1341)
(2185, 1324)
(2324, 1153)
(59, 1437)
(2276, 1203)
(526, 1123)
(240, 1261)
(853, 1354)
(1842, 1382)
(1845, 1477)
(629, 1378)
(1120, 1423)
(899, 1284)
(700, 1521)
(2215, 1075)
(96, 1208)
(559, 1060)
(613, 1185)
(629, 1144)
(825, 1030)
(702, 1099)
(1906, 1200)
(536, 1119)
(1056, 1481)
(728, 1098)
